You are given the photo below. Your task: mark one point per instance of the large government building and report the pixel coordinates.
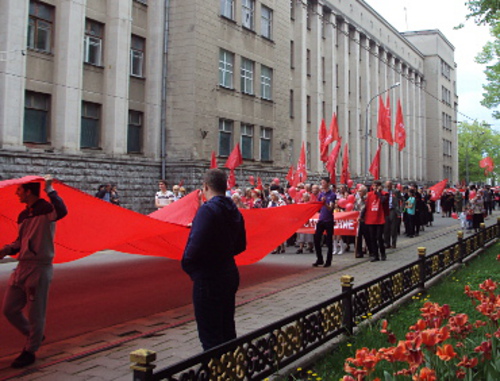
(130, 91)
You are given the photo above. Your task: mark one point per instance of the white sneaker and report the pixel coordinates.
(341, 248)
(334, 247)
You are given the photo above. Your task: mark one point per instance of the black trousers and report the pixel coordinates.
(214, 303)
(362, 233)
(391, 228)
(321, 227)
(376, 242)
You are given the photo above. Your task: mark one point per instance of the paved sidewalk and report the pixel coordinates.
(104, 354)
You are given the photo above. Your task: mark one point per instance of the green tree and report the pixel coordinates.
(483, 11)
(490, 56)
(476, 141)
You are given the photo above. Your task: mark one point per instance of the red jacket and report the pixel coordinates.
(376, 209)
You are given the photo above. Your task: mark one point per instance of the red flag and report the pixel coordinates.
(333, 135)
(181, 183)
(384, 121)
(322, 138)
(487, 164)
(437, 190)
(399, 128)
(235, 159)
(301, 173)
(213, 161)
(375, 166)
(231, 180)
(290, 176)
(251, 180)
(345, 177)
(332, 161)
(259, 184)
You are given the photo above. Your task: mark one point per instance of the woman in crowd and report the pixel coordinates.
(477, 205)
(275, 201)
(305, 239)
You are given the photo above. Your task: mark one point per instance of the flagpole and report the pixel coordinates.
(367, 155)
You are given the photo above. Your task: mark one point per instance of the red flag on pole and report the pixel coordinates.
(384, 121)
(322, 138)
(259, 184)
(235, 159)
(213, 161)
(290, 176)
(437, 189)
(487, 164)
(399, 128)
(375, 166)
(231, 180)
(332, 136)
(331, 164)
(345, 177)
(301, 173)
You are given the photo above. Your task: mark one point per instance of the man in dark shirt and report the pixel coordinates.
(217, 236)
(325, 223)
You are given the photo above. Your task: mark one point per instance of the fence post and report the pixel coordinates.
(461, 245)
(498, 227)
(422, 252)
(142, 366)
(346, 282)
(482, 234)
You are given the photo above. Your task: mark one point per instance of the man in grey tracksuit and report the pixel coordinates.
(30, 281)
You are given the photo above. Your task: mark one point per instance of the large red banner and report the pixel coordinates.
(346, 223)
(93, 225)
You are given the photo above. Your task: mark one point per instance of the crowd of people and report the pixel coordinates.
(386, 211)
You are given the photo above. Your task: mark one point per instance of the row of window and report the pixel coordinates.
(446, 95)
(447, 172)
(228, 10)
(446, 119)
(37, 122)
(247, 75)
(445, 70)
(247, 141)
(40, 32)
(447, 147)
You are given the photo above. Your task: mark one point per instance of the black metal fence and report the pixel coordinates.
(261, 353)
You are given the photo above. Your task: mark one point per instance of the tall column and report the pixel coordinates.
(317, 91)
(300, 86)
(117, 76)
(353, 128)
(343, 90)
(366, 94)
(13, 36)
(68, 70)
(154, 82)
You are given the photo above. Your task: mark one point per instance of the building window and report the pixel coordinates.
(325, 21)
(225, 137)
(323, 69)
(247, 76)
(91, 121)
(310, 12)
(248, 10)
(308, 109)
(92, 44)
(36, 117)
(308, 62)
(292, 9)
(266, 135)
(266, 82)
(227, 8)
(445, 69)
(134, 135)
(266, 22)
(446, 96)
(226, 64)
(137, 47)
(292, 55)
(41, 18)
(247, 141)
(291, 109)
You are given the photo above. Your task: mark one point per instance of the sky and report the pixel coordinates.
(410, 15)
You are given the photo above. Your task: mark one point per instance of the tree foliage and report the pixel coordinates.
(483, 11)
(476, 141)
(490, 56)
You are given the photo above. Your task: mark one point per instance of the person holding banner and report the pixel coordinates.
(30, 282)
(359, 206)
(325, 224)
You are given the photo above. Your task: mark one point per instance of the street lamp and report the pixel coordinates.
(367, 156)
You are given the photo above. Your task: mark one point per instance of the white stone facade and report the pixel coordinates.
(323, 57)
